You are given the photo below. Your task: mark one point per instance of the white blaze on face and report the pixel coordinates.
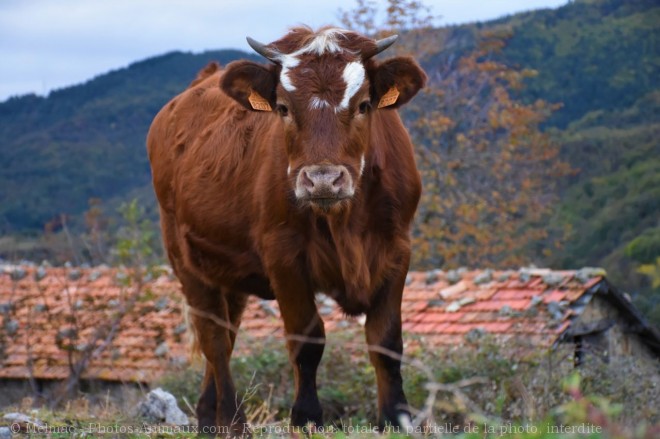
(354, 78)
(326, 41)
(316, 103)
(288, 62)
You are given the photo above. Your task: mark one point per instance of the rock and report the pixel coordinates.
(6, 307)
(435, 303)
(323, 299)
(483, 277)
(453, 307)
(40, 273)
(268, 308)
(162, 303)
(20, 418)
(95, 275)
(475, 335)
(66, 333)
(162, 350)
(553, 279)
(457, 304)
(17, 274)
(74, 274)
(524, 277)
(180, 329)
(453, 277)
(535, 301)
(11, 327)
(121, 278)
(585, 274)
(433, 276)
(555, 310)
(452, 291)
(161, 406)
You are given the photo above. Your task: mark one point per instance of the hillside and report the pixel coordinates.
(599, 59)
(589, 54)
(87, 140)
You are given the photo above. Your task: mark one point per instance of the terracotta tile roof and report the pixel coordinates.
(50, 315)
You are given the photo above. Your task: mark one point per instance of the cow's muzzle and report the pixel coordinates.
(324, 185)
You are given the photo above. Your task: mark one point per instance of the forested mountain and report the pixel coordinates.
(589, 55)
(85, 141)
(599, 59)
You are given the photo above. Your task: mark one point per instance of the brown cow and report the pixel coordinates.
(285, 180)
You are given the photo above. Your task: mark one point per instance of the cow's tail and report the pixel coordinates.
(192, 338)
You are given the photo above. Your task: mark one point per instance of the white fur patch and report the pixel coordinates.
(288, 170)
(363, 162)
(354, 77)
(288, 62)
(325, 41)
(316, 103)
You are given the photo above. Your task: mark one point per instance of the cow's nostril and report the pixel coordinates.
(339, 181)
(307, 182)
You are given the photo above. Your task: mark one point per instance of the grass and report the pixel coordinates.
(485, 391)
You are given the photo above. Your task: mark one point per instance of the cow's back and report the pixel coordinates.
(203, 158)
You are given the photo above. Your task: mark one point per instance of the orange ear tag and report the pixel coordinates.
(258, 102)
(389, 98)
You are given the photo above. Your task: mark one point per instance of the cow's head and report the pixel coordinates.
(324, 85)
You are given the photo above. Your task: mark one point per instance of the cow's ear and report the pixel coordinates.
(250, 84)
(396, 81)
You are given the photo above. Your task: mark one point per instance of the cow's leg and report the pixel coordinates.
(383, 333)
(305, 342)
(212, 315)
(208, 402)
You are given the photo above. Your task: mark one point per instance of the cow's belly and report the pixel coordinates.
(232, 267)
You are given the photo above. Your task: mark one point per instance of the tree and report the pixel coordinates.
(488, 170)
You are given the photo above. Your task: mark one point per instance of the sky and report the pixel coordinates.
(50, 44)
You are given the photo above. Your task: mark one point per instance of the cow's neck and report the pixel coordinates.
(346, 232)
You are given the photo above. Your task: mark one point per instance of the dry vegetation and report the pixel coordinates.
(484, 390)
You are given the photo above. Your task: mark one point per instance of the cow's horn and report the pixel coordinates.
(385, 43)
(262, 50)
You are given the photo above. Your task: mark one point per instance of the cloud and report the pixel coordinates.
(54, 43)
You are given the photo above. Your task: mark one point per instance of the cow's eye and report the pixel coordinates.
(364, 107)
(282, 109)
